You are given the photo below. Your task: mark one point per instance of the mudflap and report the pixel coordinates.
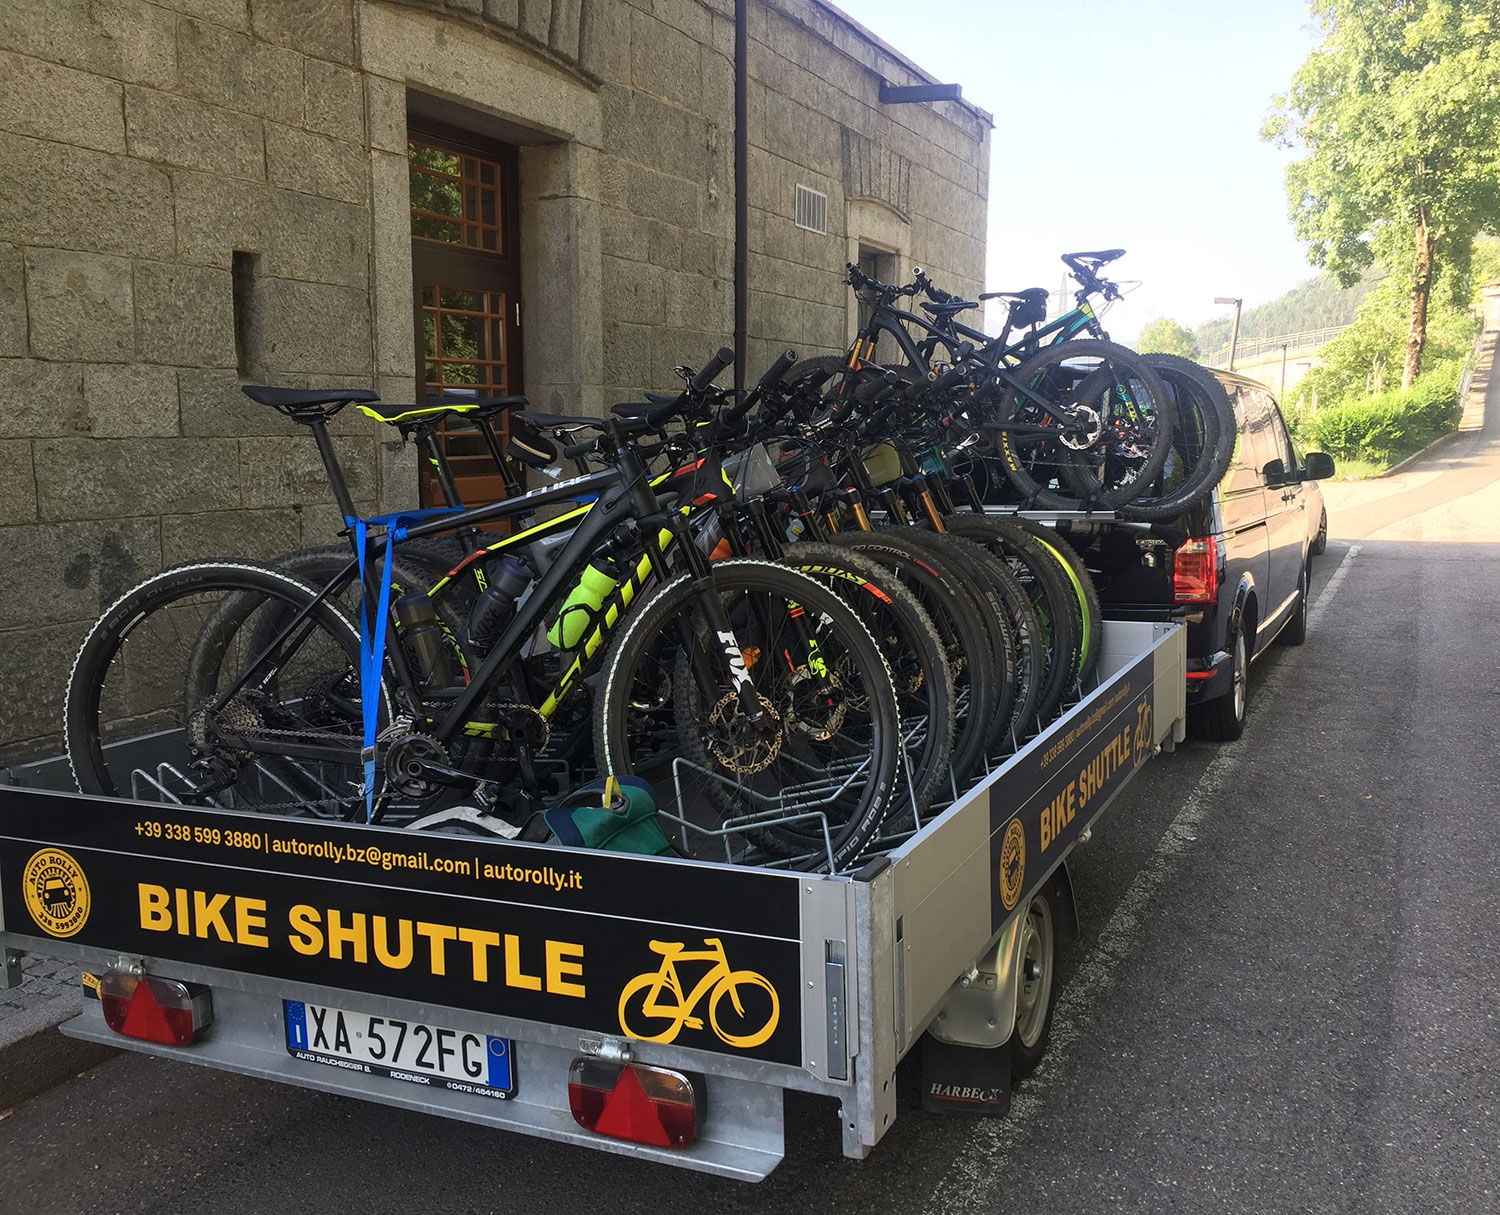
(968, 1080)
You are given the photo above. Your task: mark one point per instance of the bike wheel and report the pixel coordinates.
(826, 748)
(1121, 415)
(912, 648)
(1051, 598)
(953, 601)
(1091, 611)
(1202, 441)
(153, 683)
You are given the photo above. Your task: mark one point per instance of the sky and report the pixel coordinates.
(1127, 124)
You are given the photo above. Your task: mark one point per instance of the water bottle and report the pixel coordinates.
(581, 606)
(492, 611)
(422, 635)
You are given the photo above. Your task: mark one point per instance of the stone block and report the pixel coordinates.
(687, 16)
(38, 398)
(112, 478)
(604, 42)
(217, 215)
(52, 194)
(80, 304)
(36, 660)
(385, 114)
(534, 19)
(666, 246)
(211, 404)
(255, 535)
(73, 571)
(699, 253)
(193, 135)
(315, 328)
(229, 68)
(289, 472)
(12, 303)
(653, 133)
(627, 353)
(664, 61)
(126, 40)
(669, 199)
(184, 315)
(398, 476)
(315, 164)
(693, 302)
(322, 523)
(321, 28)
(58, 103)
(318, 240)
(395, 341)
(565, 34)
(634, 290)
(233, 13)
(622, 235)
(17, 482)
(503, 12)
(334, 102)
(125, 399)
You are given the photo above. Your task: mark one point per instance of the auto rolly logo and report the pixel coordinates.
(56, 892)
(1012, 864)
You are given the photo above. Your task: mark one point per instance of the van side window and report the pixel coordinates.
(1262, 440)
(1244, 472)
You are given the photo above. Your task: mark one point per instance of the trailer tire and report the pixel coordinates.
(1036, 987)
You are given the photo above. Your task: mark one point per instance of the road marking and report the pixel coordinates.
(984, 1152)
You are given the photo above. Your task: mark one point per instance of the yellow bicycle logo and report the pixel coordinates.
(1142, 739)
(661, 1011)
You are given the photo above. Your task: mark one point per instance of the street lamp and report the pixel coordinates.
(1234, 337)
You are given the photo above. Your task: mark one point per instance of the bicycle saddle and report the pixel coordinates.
(1033, 294)
(478, 407)
(1098, 258)
(306, 405)
(949, 307)
(561, 421)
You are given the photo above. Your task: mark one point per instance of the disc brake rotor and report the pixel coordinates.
(740, 745)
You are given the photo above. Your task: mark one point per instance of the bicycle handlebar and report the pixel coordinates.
(698, 384)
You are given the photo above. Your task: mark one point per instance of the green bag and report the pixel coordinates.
(626, 822)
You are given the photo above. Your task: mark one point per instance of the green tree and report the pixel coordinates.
(1399, 112)
(1166, 336)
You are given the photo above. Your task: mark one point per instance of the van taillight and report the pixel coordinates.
(1195, 572)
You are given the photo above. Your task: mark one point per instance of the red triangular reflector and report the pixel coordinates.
(630, 1114)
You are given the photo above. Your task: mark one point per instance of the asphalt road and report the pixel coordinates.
(1285, 998)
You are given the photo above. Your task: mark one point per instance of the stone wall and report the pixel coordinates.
(143, 144)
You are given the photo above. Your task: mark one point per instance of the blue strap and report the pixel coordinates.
(372, 648)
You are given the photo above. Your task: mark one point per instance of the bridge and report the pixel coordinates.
(1277, 362)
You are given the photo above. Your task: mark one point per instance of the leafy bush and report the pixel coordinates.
(1387, 427)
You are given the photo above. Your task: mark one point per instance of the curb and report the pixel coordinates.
(35, 1056)
(1439, 442)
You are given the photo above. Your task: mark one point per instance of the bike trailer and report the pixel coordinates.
(638, 1004)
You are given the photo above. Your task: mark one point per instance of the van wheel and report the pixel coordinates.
(1034, 1004)
(1294, 631)
(1222, 719)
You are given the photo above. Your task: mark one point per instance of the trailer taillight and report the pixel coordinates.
(631, 1101)
(1195, 572)
(154, 1009)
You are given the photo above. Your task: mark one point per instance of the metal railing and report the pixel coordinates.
(1252, 348)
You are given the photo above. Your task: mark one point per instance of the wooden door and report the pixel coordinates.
(466, 287)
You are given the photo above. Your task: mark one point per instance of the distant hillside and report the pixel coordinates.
(1310, 305)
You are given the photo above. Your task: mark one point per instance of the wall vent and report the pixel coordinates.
(811, 211)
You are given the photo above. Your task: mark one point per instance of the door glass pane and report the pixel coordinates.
(455, 199)
(463, 338)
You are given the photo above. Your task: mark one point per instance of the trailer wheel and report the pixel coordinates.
(1037, 950)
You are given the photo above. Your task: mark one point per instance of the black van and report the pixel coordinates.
(1236, 566)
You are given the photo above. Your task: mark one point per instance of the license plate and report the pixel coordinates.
(454, 1059)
